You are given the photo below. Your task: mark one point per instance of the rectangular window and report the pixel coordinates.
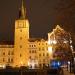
(12, 60)
(29, 57)
(20, 55)
(46, 43)
(39, 54)
(47, 54)
(32, 51)
(34, 45)
(20, 46)
(20, 38)
(9, 60)
(3, 53)
(39, 43)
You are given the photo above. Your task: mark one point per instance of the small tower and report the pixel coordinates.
(21, 38)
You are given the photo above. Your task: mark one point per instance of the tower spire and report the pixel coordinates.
(22, 13)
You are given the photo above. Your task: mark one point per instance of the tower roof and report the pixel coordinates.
(22, 12)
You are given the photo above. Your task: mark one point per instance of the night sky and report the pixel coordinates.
(43, 16)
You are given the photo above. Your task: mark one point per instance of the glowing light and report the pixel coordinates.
(49, 42)
(65, 41)
(50, 49)
(71, 46)
(69, 62)
(70, 41)
(54, 41)
(74, 59)
(32, 63)
(3, 66)
(21, 63)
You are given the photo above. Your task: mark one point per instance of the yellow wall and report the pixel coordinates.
(21, 42)
(6, 55)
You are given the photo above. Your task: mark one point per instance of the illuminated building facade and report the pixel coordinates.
(26, 51)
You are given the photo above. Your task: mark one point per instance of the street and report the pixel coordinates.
(67, 72)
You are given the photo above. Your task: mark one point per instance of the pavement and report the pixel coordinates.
(67, 72)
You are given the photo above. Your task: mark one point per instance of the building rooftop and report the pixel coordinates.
(36, 39)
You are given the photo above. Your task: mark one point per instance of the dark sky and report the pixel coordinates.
(43, 15)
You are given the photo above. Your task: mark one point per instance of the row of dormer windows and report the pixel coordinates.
(43, 54)
(9, 53)
(43, 43)
(32, 45)
(43, 48)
